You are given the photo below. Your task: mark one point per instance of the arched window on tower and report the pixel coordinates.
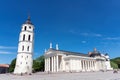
(25, 28)
(24, 37)
(28, 48)
(22, 48)
(30, 27)
(29, 38)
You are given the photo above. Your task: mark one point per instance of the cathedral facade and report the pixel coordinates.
(67, 61)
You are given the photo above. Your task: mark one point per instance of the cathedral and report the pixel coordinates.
(66, 61)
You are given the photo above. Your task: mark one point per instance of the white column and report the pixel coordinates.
(80, 65)
(83, 65)
(45, 65)
(90, 65)
(93, 65)
(52, 63)
(87, 65)
(49, 64)
(57, 62)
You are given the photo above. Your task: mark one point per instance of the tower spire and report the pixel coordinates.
(28, 20)
(28, 17)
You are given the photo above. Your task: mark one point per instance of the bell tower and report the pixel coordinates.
(24, 58)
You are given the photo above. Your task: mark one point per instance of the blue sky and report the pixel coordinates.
(76, 25)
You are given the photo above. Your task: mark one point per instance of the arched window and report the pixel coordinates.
(25, 28)
(29, 38)
(24, 37)
(30, 27)
(28, 48)
(22, 48)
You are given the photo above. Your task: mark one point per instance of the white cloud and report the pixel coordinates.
(97, 35)
(6, 52)
(83, 41)
(112, 38)
(72, 31)
(84, 34)
(87, 34)
(91, 34)
(7, 47)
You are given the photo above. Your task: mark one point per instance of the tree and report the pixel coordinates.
(12, 65)
(41, 60)
(36, 66)
(114, 65)
(116, 62)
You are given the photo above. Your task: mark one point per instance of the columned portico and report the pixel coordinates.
(52, 64)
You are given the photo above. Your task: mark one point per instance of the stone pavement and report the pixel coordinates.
(109, 75)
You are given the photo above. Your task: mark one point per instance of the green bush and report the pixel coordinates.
(36, 66)
(116, 61)
(114, 65)
(41, 60)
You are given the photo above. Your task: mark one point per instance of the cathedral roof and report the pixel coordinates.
(68, 52)
(28, 21)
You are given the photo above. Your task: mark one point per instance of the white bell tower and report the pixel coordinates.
(24, 58)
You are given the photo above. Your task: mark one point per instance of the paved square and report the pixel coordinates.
(64, 76)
